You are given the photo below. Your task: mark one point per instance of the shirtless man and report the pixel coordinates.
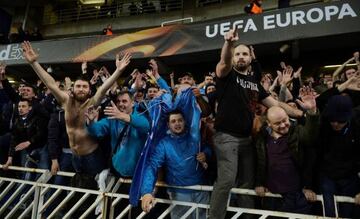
(87, 155)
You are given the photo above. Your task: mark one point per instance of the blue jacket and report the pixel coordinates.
(177, 153)
(130, 149)
(145, 176)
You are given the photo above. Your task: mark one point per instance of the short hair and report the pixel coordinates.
(32, 87)
(187, 74)
(123, 92)
(209, 85)
(26, 100)
(175, 112)
(241, 44)
(82, 78)
(152, 86)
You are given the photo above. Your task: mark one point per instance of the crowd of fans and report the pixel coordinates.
(20, 35)
(240, 127)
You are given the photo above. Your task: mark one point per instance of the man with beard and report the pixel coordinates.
(238, 92)
(86, 151)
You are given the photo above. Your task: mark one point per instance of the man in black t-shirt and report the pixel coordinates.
(238, 92)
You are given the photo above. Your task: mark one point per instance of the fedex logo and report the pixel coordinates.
(11, 52)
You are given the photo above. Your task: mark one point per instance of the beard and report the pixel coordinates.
(241, 67)
(81, 97)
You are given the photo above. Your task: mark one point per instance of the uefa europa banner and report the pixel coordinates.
(322, 19)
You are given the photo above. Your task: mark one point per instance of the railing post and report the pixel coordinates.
(36, 201)
(38, 197)
(336, 207)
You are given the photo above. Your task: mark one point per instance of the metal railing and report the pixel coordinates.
(118, 9)
(204, 3)
(20, 199)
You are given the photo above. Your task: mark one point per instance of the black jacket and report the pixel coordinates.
(299, 137)
(32, 128)
(339, 152)
(57, 135)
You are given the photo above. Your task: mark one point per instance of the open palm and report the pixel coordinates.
(125, 60)
(307, 96)
(29, 52)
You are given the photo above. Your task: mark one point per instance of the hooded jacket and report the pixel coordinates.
(177, 153)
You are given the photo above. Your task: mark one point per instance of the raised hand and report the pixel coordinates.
(68, 83)
(113, 112)
(28, 52)
(282, 65)
(106, 73)
(232, 35)
(356, 56)
(354, 82)
(2, 70)
(252, 52)
(150, 73)
(95, 77)
(307, 102)
(287, 76)
(279, 77)
(121, 64)
(84, 67)
(139, 83)
(297, 74)
(160, 92)
(92, 114)
(134, 73)
(155, 68)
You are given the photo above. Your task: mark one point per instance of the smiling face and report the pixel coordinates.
(278, 121)
(124, 103)
(27, 92)
(176, 123)
(152, 92)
